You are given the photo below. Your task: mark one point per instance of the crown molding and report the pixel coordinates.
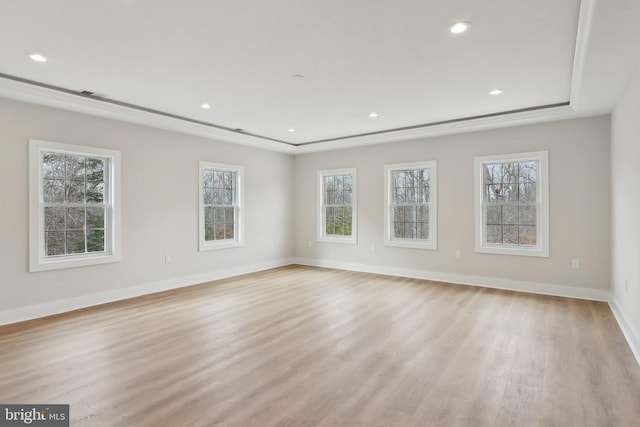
(585, 21)
(35, 94)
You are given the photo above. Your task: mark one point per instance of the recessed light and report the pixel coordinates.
(205, 106)
(459, 27)
(495, 92)
(297, 76)
(37, 57)
(292, 130)
(373, 115)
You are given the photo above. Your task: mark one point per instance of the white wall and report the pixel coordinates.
(159, 211)
(579, 209)
(625, 201)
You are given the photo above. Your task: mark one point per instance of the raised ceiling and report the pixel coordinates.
(321, 68)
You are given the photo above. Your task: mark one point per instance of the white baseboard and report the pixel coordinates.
(632, 336)
(464, 279)
(21, 314)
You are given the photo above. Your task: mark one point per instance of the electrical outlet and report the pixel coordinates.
(457, 255)
(626, 286)
(575, 263)
(167, 259)
(310, 244)
(272, 245)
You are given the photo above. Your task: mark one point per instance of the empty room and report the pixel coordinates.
(330, 213)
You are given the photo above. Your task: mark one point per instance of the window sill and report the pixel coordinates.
(427, 244)
(343, 240)
(534, 252)
(210, 246)
(57, 263)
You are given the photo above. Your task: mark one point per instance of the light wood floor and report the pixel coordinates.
(301, 346)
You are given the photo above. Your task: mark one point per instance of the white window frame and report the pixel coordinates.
(38, 261)
(389, 240)
(238, 240)
(322, 236)
(542, 206)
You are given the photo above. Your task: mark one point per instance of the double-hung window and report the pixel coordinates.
(221, 215)
(337, 211)
(410, 211)
(74, 206)
(512, 204)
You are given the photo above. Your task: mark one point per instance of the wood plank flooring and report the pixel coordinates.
(302, 346)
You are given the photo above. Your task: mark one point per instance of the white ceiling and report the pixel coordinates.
(395, 58)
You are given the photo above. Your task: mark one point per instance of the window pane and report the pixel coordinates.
(75, 219)
(54, 218)
(528, 235)
(95, 169)
(228, 180)
(74, 191)
(54, 243)
(410, 231)
(207, 177)
(424, 189)
(493, 173)
(494, 216)
(339, 182)
(510, 214)
(219, 231)
(95, 218)
(218, 215)
(422, 214)
(510, 192)
(347, 197)
(228, 197)
(75, 242)
(53, 166)
(510, 234)
(229, 231)
(209, 213)
(493, 193)
(347, 218)
(510, 173)
(337, 195)
(218, 179)
(218, 196)
(398, 230)
(399, 195)
(398, 214)
(53, 190)
(75, 167)
(423, 230)
(528, 172)
(95, 192)
(329, 197)
(328, 183)
(329, 221)
(410, 213)
(410, 191)
(494, 234)
(510, 202)
(95, 241)
(208, 195)
(208, 232)
(527, 215)
(77, 192)
(348, 183)
(528, 192)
